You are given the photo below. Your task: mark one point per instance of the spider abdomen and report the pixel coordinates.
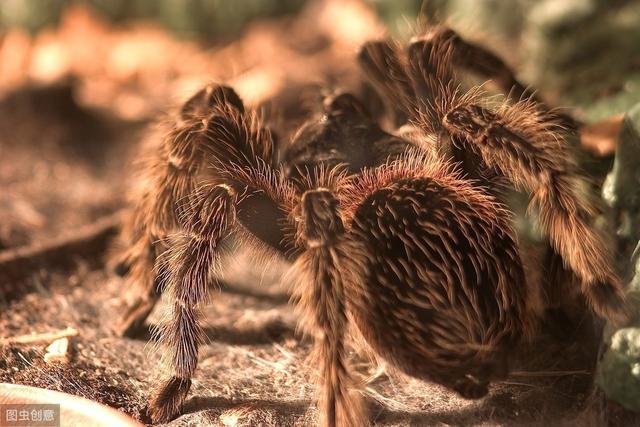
(443, 288)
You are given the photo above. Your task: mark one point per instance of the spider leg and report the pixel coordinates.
(321, 298)
(481, 61)
(137, 263)
(192, 258)
(170, 176)
(384, 67)
(434, 55)
(183, 152)
(486, 64)
(430, 67)
(526, 146)
(524, 143)
(189, 261)
(243, 186)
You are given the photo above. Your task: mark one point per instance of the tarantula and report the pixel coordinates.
(400, 234)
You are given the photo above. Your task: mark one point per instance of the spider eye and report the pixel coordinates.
(461, 120)
(454, 119)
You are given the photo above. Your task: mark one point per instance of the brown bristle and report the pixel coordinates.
(167, 400)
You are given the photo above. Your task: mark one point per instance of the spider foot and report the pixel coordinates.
(609, 301)
(471, 388)
(166, 403)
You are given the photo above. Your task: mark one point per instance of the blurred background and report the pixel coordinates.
(583, 53)
(80, 79)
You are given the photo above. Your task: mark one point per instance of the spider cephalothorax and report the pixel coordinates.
(382, 229)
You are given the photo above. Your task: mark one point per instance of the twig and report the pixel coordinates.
(39, 338)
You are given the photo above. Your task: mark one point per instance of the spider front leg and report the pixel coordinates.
(169, 176)
(384, 64)
(384, 67)
(238, 152)
(481, 61)
(188, 264)
(322, 299)
(486, 64)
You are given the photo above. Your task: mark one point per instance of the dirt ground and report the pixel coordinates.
(64, 166)
(253, 370)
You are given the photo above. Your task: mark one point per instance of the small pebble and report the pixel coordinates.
(57, 351)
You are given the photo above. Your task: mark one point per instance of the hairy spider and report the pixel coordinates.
(388, 231)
